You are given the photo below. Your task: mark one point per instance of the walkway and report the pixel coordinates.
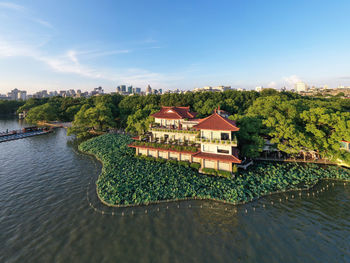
(17, 136)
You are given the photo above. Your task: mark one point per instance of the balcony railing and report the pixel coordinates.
(168, 146)
(232, 142)
(174, 130)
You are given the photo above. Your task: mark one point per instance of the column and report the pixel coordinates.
(230, 167)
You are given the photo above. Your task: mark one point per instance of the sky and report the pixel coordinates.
(64, 44)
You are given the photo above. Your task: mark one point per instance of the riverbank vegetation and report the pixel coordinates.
(297, 126)
(127, 180)
(9, 106)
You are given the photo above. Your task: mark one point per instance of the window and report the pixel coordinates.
(225, 136)
(223, 151)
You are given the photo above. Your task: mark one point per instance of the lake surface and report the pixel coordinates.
(46, 188)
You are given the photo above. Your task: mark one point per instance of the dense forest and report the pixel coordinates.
(8, 107)
(294, 124)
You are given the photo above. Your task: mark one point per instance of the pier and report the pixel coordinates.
(24, 133)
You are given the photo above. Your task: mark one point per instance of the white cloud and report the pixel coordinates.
(12, 6)
(69, 63)
(272, 85)
(25, 13)
(42, 22)
(291, 80)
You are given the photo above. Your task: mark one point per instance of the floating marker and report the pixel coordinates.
(112, 213)
(201, 206)
(226, 209)
(246, 211)
(132, 212)
(122, 213)
(308, 194)
(313, 193)
(292, 196)
(299, 194)
(178, 206)
(286, 197)
(280, 200)
(263, 205)
(253, 208)
(158, 209)
(271, 203)
(167, 207)
(146, 211)
(189, 206)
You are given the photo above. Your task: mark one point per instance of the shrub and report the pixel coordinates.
(172, 161)
(195, 166)
(184, 163)
(226, 174)
(209, 171)
(234, 168)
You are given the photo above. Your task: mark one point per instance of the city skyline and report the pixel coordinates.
(83, 45)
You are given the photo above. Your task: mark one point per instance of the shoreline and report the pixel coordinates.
(194, 198)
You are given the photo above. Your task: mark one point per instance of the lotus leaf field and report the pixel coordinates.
(127, 180)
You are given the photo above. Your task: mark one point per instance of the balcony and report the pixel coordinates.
(167, 146)
(232, 142)
(172, 129)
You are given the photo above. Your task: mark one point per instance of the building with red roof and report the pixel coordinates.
(214, 137)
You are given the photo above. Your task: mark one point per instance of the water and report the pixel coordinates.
(45, 217)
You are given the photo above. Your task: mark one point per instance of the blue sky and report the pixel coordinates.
(57, 45)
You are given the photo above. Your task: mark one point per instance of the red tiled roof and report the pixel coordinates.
(174, 113)
(217, 122)
(219, 157)
(345, 141)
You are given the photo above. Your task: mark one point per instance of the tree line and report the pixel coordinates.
(295, 124)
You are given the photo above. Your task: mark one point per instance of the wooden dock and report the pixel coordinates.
(16, 135)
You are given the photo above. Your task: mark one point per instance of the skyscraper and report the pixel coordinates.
(130, 89)
(148, 90)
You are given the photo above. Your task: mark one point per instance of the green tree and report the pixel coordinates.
(45, 112)
(139, 122)
(250, 142)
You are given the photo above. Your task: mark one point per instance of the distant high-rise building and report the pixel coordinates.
(13, 95)
(123, 88)
(130, 89)
(3, 97)
(160, 91)
(148, 90)
(300, 87)
(22, 95)
(138, 90)
(119, 89)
